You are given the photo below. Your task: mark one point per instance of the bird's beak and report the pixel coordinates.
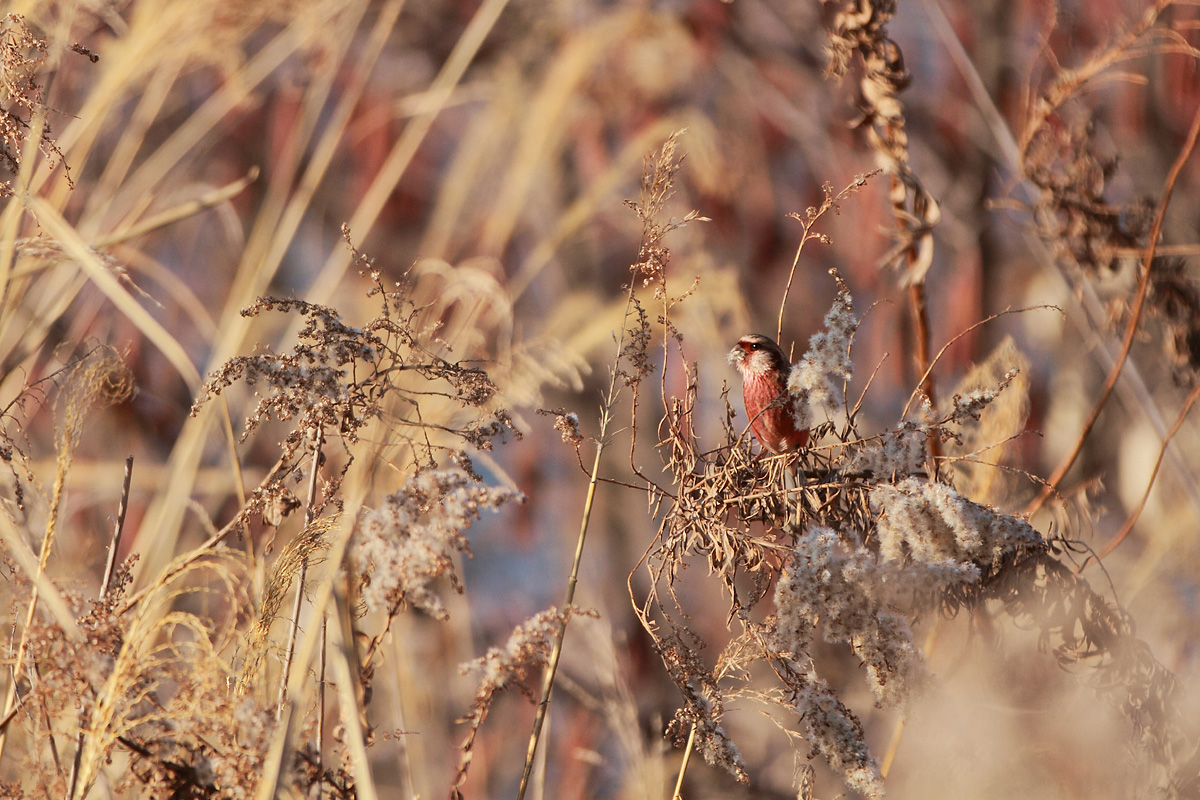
(737, 355)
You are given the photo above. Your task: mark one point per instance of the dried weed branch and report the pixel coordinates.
(631, 365)
(873, 540)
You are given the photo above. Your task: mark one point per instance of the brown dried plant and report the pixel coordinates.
(153, 682)
(871, 539)
(22, 104)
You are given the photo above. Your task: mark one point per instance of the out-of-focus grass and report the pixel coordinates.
(488, 147)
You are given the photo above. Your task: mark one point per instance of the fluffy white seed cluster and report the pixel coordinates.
(899, 452)
(849, 591)
(837, 736)
(944, 532)
(970, 405)
(527, 648)
(813, 381)
(713, 743)
(930, 538)
(409, 541)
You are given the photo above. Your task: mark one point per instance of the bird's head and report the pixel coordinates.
(758, 355)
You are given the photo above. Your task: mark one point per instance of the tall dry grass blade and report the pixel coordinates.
(258, 266)
(182, 211)
(544, 121)
(345, 676)
(49, 596)
(74, 245)
(200, 124)
(401, 155)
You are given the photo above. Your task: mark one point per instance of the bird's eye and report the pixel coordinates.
(755, 346)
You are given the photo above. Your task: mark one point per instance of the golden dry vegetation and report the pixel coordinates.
(367, 428)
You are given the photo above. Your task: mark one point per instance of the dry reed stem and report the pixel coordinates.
(568, 599)
(105, 585)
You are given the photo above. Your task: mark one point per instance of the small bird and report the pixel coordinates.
(764, 369)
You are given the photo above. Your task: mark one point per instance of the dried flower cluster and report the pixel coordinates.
(860, 27)
(566, 423)
(410, 540)
(658, 176)
(339, 378)
(519, 659)
(1065, 157)
(813, 381)
(157, 683)
(872, 540)
(21, 57)
(22, 60)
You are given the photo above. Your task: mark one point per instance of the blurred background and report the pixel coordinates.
(485, 150)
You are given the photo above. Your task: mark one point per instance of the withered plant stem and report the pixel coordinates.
(321, 702)
(610, 397)
(1162, 450)
(683, 765)
(105, 584)
(118, 530)
(921, 338)
(809, 222)
(309, 513)
(539, 718)
(1131, 327)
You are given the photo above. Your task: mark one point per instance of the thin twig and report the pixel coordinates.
(809, 221)
(118, 529)
(965, 332)
(321, 701)
(922, 336)
(1137, 512)
(569, 597)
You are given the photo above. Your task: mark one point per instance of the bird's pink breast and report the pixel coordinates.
(773, 424)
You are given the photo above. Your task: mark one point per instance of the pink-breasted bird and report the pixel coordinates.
(764, 369)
